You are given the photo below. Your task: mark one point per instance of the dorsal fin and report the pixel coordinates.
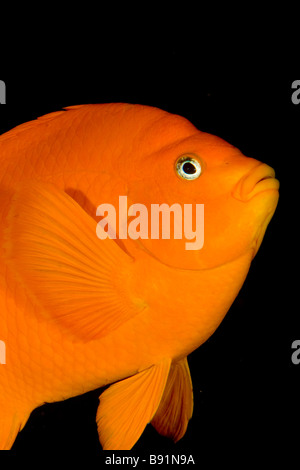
(40, 120)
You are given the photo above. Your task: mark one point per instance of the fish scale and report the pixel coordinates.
(79, 313)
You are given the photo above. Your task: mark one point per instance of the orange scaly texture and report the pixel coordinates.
(77, 312)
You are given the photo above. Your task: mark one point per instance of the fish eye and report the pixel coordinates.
(188, 168)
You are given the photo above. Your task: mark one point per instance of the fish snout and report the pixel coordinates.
(258, 179)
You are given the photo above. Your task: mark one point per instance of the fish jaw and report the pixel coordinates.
(258, 179)
(259, 188)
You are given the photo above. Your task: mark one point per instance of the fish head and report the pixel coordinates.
(236, 197)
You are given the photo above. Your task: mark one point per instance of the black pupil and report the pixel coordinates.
(189, 168)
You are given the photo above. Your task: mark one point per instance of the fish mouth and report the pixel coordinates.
(258, 179)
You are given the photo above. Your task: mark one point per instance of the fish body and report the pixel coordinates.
(78, 312)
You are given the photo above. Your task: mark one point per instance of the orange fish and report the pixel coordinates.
(79, 312)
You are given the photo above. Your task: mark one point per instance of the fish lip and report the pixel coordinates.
(258, 179)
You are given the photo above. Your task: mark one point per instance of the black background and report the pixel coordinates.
(246, 389)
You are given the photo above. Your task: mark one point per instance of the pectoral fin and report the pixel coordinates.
(126, 407)
(176, 406)
(75, 278)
